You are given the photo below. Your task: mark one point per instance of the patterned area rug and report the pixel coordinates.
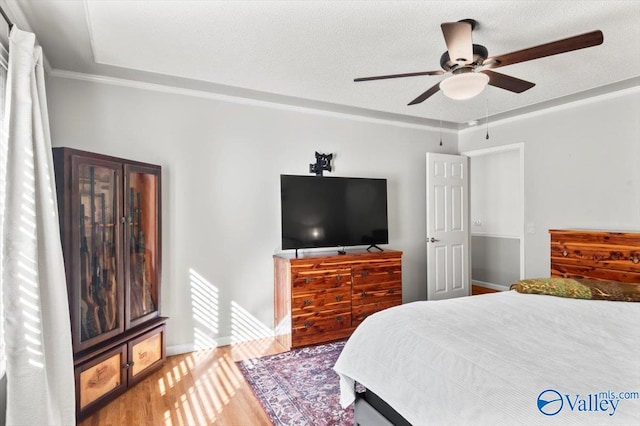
(299, 387)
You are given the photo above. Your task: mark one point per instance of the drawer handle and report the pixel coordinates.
(339, 298)
(390, 271)
(364, 273)
(306, 302)
(308, 323)
(307, 280)
(364, 294)
(391, 291)
(565, 253)
(339, 277)
(339, 319)
(128, 365)
(635, 259)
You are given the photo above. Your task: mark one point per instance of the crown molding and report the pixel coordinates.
(598, 94)
(287, 103)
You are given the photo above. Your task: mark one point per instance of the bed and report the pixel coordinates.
(510, 357)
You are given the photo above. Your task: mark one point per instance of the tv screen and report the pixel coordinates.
(333, 211)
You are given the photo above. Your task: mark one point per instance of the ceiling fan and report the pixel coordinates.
(471, 66)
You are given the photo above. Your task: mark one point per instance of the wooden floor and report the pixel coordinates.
(198, 388)
(478, 289)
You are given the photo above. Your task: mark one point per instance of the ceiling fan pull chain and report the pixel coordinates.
(440, 125)
(487, 115)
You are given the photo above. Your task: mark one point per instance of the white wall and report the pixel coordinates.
(581, 167)
(496, 211)
(221, 202)
(495, 194)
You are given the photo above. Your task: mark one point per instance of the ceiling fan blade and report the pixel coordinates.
(457, 35)
(426, 94)
(582, 41)
(409, 74)
(507, 82)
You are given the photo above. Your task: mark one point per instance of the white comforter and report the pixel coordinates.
(486, 359)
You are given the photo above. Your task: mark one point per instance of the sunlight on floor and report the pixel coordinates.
(255, 349)
(198, 386)
(205, 381)
(207, 385)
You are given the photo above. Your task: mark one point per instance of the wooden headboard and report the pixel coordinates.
(600, 255)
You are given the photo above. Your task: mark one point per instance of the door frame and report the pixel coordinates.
(497, 149)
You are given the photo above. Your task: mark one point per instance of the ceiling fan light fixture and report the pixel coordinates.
(464, 86)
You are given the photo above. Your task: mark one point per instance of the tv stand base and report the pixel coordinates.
(374, 246)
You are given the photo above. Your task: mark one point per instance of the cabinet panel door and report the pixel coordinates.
(146, 354)
(99, 379)
(142, 243)
(95, 285)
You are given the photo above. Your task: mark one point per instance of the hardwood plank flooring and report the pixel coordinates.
(478, 289)
(198, 388)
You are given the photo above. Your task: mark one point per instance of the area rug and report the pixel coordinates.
(299, 387)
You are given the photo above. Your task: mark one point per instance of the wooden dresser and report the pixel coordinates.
(321, 298)
(602, 255)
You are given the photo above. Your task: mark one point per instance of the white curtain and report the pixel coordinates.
(37, 332)
(4, 66)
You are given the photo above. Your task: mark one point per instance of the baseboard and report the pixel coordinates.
(492, 286)
(191, 347)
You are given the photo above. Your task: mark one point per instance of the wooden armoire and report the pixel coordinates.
(110, 226)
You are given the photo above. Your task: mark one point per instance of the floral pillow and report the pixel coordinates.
(580, 288)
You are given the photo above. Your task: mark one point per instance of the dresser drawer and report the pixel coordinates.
(305, 281)
(320, 300)
(309, 318)
(321, 324)
(377, 286)
(314, 335)
(376, 294)
(362, 311)
(387, 271)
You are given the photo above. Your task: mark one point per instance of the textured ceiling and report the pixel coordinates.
(308, 52)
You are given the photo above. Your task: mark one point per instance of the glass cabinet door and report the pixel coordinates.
(98, 237)
(142, 247)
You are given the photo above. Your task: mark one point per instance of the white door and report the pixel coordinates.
(448, 267)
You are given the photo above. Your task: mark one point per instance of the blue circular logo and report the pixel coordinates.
(550, 402)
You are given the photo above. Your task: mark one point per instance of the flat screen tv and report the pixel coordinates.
(333, 211)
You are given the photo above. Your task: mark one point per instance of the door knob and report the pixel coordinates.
(433, 240)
